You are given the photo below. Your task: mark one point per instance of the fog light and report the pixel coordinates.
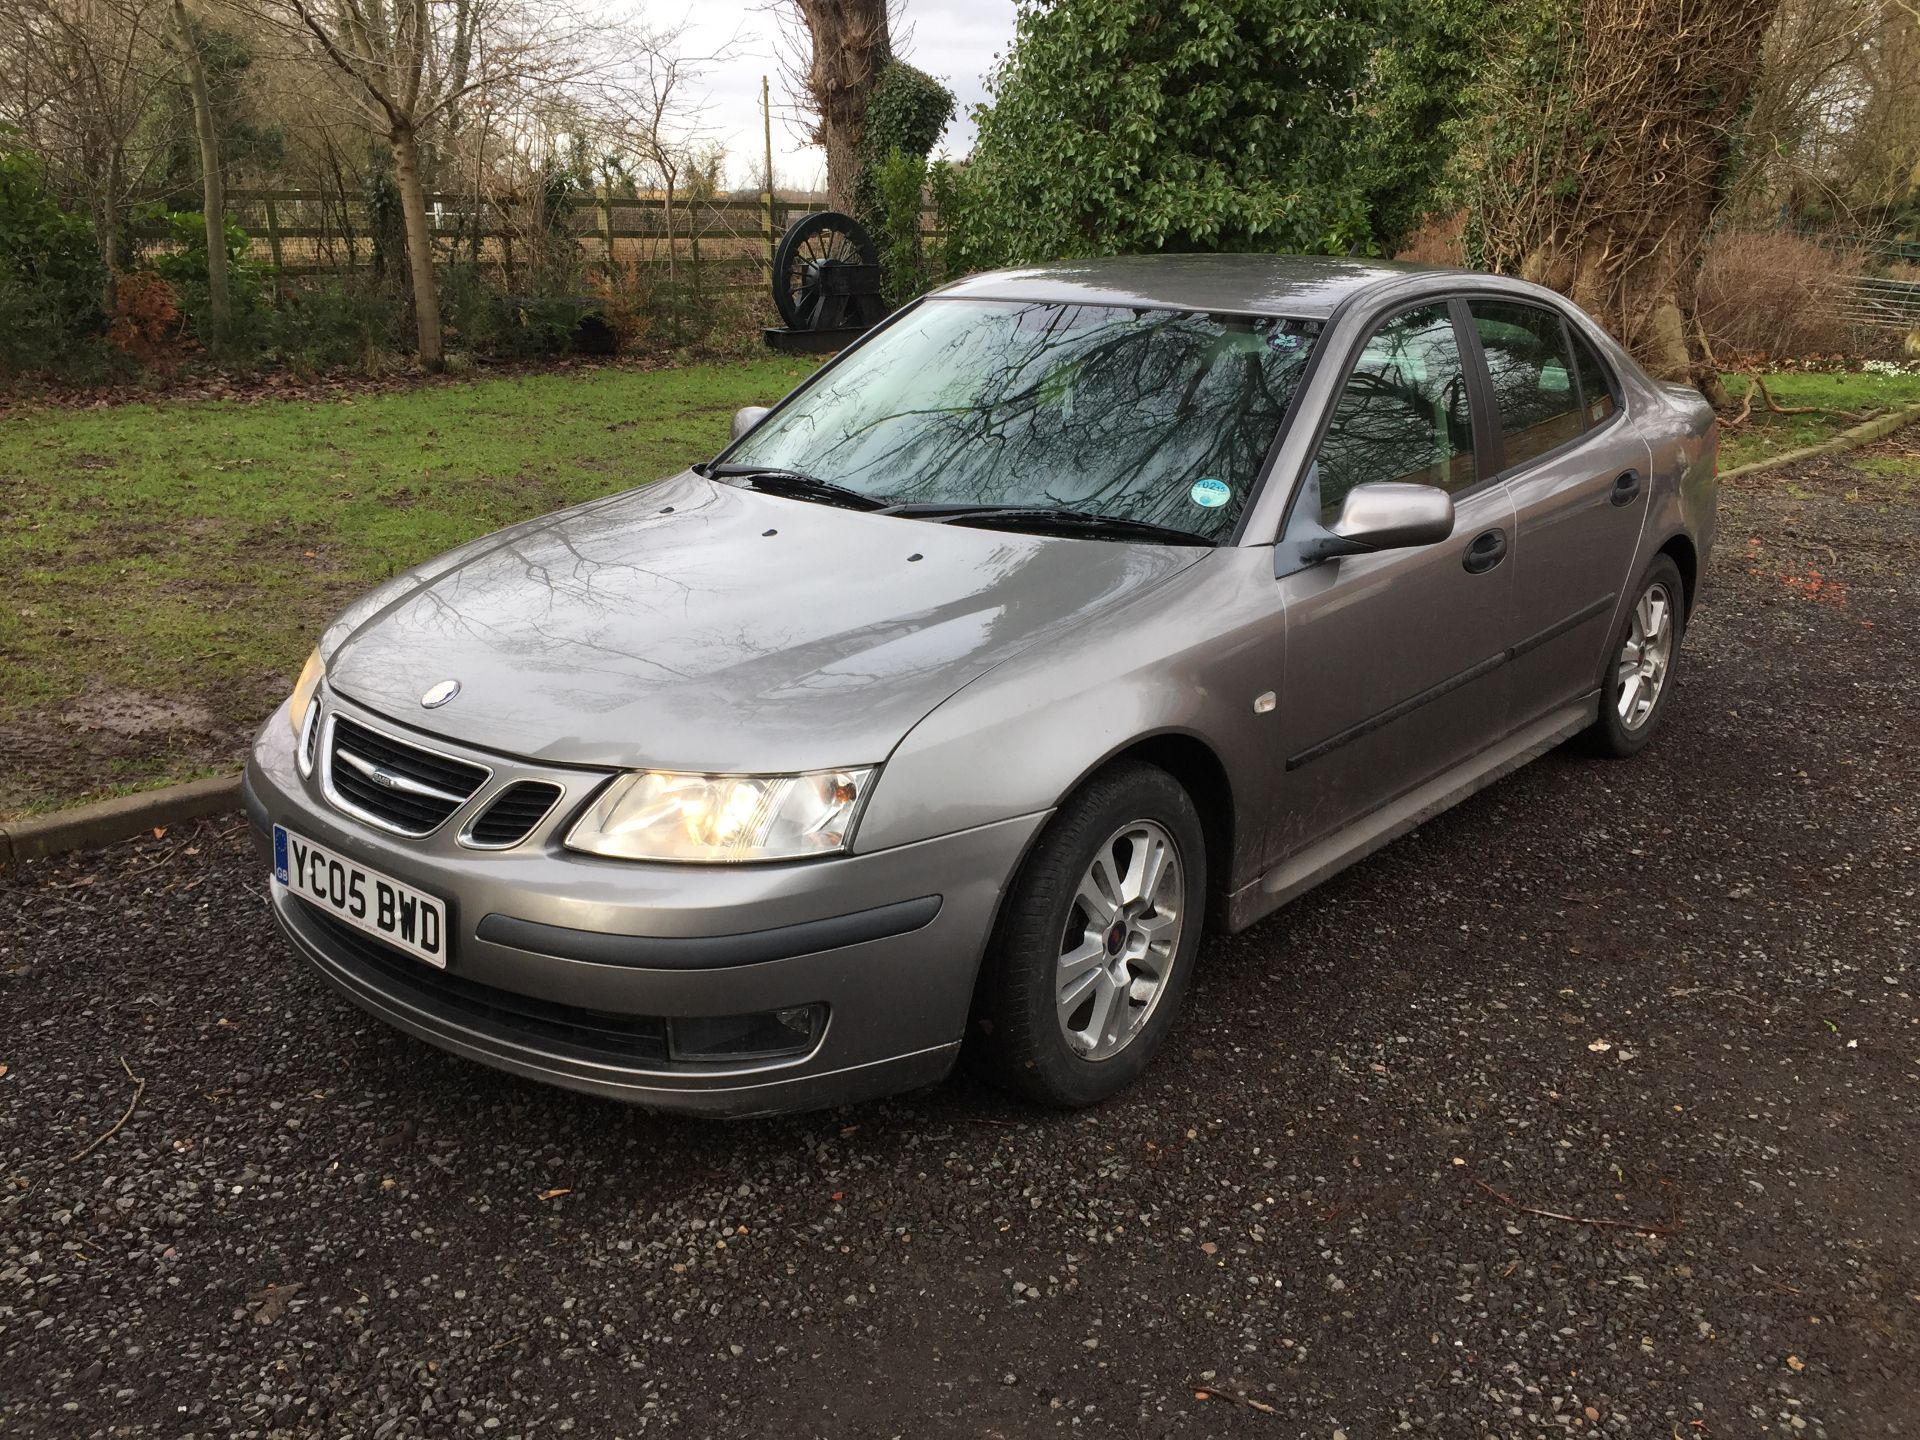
(766, 1036)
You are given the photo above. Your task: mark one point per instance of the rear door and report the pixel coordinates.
(1578, 472)
(1392, 668)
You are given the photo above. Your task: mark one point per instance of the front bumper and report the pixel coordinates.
(550, 952)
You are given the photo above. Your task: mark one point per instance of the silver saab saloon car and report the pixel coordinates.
(1071, 609)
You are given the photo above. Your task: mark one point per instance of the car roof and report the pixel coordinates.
(1307, 286)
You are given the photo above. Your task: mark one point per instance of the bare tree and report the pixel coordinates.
(81, 80)
(847, 43)
(655, 114)
(411, 65)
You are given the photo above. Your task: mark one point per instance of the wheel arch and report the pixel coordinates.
(1198, 768)
(1680, 549)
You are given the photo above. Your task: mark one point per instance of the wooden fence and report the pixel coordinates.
(714, 244)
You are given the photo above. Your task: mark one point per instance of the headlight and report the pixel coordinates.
(311, 674)
(722, 819)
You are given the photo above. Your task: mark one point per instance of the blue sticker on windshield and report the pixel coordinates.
(1210, 493)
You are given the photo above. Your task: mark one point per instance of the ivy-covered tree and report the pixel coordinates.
(1607, 134)
(1125, 125)
(907, 112)
(905, 115)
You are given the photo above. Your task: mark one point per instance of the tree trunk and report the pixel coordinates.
(107, 230)
(213, 188)
(851, 41)
(1657, 87)
(413, 210)
(673, 270)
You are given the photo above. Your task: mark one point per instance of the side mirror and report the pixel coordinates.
(1387, 515)
(748, 416)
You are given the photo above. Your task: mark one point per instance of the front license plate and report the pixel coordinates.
(366, 899)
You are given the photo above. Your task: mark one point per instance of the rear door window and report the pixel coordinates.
(1531, 371)
(1404, 413)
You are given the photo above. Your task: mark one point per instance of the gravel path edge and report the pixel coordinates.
(1864, 433)
(92, 827)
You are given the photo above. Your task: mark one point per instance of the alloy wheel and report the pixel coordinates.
(1646, 656)
(1121, 937)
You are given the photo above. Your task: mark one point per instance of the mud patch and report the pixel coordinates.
(134, 714)
(113, 737)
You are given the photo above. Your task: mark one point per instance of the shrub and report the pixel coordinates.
(898, 183)
(1775, 294)
(1132, 125)
(51, 278)
(146, 319)
(358, 319)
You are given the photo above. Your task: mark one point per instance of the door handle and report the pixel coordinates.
(1626, 487)
(1485, 551)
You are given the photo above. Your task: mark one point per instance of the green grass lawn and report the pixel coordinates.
(191, 552)
(1766, 434)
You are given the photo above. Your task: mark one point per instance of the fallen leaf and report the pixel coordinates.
(159, 832)
(3, 1072)
(273, 1302)
(556, 1194)
(1796, 1364)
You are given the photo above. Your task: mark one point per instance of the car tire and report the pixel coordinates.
(1625, 726)
(1047, 927)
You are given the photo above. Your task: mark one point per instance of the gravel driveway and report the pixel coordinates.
(1590, 1107)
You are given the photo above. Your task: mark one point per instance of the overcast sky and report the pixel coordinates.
(956, 40)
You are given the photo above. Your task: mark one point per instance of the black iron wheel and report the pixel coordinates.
(812, 245)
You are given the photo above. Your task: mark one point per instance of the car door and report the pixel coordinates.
(1392, 669)
(1577, 470)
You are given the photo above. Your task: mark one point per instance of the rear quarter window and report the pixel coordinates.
(1596, 384)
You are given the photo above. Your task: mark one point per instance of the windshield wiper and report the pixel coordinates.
(1063, 520)
(778, 480)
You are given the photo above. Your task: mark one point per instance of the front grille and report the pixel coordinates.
(511, 817)
(394, 784)
(593, 1034)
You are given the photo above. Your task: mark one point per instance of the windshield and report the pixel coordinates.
(1156, 416)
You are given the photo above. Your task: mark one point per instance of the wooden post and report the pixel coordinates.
(606, 224)
(766, 124)
(693, 244)
(273, 239)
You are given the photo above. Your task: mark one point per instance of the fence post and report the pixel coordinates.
(273, 241)
(606, 226)
(693, 245)
(766, 122)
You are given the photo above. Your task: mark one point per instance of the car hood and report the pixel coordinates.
(702, 626)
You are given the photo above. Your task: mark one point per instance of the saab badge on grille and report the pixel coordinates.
(440, 694)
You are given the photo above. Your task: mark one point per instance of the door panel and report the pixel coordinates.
(1575, 545)
(1579, 474)
(1394, 660)
(1393, 672)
